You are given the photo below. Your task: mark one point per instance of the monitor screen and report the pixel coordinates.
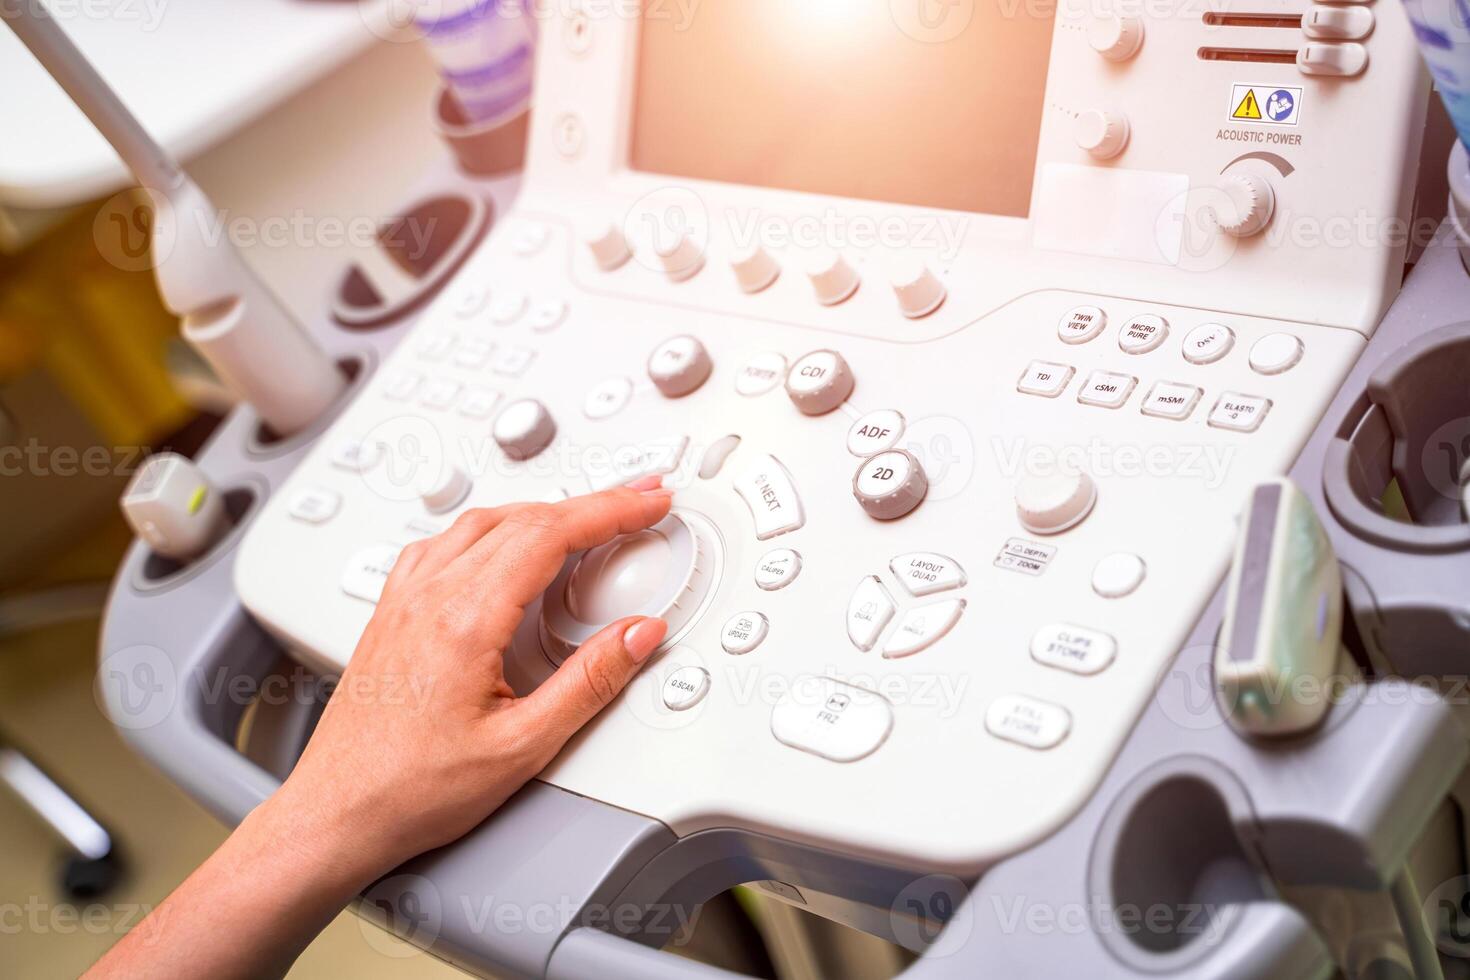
(934, 103)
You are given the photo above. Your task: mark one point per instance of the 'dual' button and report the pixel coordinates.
(831, 719)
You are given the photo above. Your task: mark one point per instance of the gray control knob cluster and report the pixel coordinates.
(890, 484)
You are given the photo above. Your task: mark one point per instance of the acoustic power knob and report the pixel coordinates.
(1247, 205)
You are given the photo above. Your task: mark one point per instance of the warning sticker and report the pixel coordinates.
(1270, 104)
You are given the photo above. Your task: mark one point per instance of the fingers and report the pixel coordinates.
(468, 528)
(593, 676)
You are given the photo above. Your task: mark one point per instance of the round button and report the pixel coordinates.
(447, 490)
(507, 307)
(1101, 132)
(667, 570)
(685, 688)
(1207, 343)
(1118, 575)
(1143, 333)
(1053, 503)
(679, 366)
(760, 374)
(548, 315)
(875, 432)
(1246, 206)
(819, 382)
(1080, 324)
(524, 428)
(607, 398)
(608, 245)
(918, 290)
(577, 32)
(1117, 37)
(777, 569)
(890, 484)
(530, 238)
(680, 255)
(833, 279)
(743, 632)
(754, 268)
(1275, 353)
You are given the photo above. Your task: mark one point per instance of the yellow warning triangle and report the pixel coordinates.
(1249, 108)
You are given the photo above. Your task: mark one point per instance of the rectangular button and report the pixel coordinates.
(439, 394)
(479, 403)
(437, 347)
(1167, 400)
(401, 385)
(831, 719)
(1045, 378)
(632, 462)
(1240, 413)
(868, 611)
(367, 571)
(767, 490)
(513, 361)
(315, 505)
(1026, 721)
(1074, 648)
(1106, 389)
(474, 354)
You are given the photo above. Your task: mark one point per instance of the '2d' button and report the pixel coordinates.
(831, 719)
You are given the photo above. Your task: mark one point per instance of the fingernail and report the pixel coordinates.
(646, 483)
(643, 637)
(659, 492)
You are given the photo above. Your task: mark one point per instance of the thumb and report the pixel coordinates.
(590, 678)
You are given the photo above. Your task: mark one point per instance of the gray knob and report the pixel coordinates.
(890, 484)
(679, 365)
(820, 381)
(524, 428)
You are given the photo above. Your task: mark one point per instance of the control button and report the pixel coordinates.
(1275, 353)
(437, 347)
(530, 238)
(1080, 324)
(715, 455)
(548, 315)
(830, 719)
(1247, 206)
(685, 688)
(576, 32)
(507, 307)
(607, 398)
(512, 362)
(754, 268)
(679, 365)
(524, 428)
(1101, 132)
(743, 632)
(890, 484)
(474, 354)
(1207, 343)
(924, 572)
(367, 571)
(833, 279)
(609, 247)
(919, 291)
(767, 490)
(760, 374)
(819, 382)
(1332, 23)
(1167, 400)
(1117, 37)
(632, 462)
(921, 628)
(315, 505)
(1044, 378)
(1118, 575)
(1026, 721)
(1242, 413)
(1052, 503)
(875, 432)
(439, 394)
(1338, 60)
(1142, 333)
(401, 385)
(868, 611)
(1074, 648)
(471, 302)
(1106, 389)
(679, 254)
(446, 491)
(479, 403)
(355, 456)
(777, 569)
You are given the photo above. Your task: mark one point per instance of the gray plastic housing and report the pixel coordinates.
(1191, 819)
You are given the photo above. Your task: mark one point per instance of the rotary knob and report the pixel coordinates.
(1101, 132)
(820, 381)
(890, 484)
(446, 490)
(754, 268)
(680, 255)
(833, 278)
(1117, 37)
(608, 245)
(1053, 503)
(679, 365)
(918, 290)
(524, 428)
(1246, 205)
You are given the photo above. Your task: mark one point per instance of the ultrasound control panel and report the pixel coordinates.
(962, 388)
